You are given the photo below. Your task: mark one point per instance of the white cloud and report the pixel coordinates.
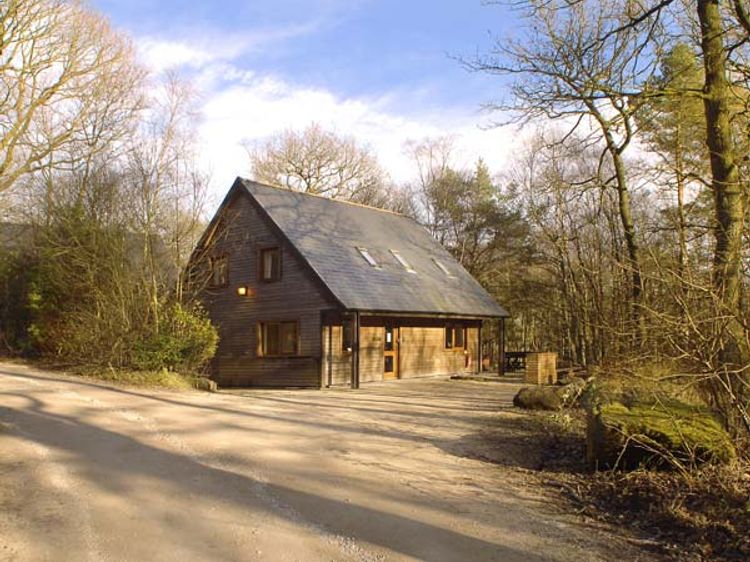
(243, 105)
(198, 49)
(261, 106)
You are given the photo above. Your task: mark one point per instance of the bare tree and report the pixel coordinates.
(167, 187)
(436, 173)
(320, 162)
(68, 86)
(572, 69)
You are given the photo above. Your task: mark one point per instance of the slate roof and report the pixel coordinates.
(327, 234)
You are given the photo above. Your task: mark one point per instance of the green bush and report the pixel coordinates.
(186, 340)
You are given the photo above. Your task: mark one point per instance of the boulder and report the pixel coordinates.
(661, 434)
(538, 398)
(204, 383)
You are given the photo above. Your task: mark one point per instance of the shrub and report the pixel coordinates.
(186, 340)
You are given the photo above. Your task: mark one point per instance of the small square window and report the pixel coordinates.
(368, 257)
(219, 266)
(270, 264)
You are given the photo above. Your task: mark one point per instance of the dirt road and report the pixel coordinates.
(92, 472)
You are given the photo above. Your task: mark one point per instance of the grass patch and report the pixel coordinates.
(149, 379)
(146, 379)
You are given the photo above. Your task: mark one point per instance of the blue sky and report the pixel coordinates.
(377, 69)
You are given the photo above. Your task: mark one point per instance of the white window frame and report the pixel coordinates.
(365, 253)
(402, 260)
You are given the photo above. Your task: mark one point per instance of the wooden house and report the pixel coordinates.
(312, 292)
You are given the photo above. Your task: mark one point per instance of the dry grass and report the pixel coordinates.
(701, 516)
(147, 379)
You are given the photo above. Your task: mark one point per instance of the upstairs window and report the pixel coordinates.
(441, 267)
(400, 259)
(219, 266)
(270, 265)
(455, 337)
(368, 257)
(278, 338)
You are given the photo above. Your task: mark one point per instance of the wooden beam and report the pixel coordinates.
(479, 348)
(501, 347)
(330, 355)
(355, 351)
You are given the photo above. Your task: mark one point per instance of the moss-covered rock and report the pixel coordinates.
(630, 433)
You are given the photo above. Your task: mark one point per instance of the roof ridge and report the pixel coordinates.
(319, 196)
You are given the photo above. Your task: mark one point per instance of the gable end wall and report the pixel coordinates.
(297, 296)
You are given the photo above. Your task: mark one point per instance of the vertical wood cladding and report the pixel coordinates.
(421, 351)
(296, 296)
(337, 366)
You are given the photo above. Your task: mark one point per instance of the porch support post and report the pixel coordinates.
(355, 351)
(330, 354)
(479, 347)
(501, 346)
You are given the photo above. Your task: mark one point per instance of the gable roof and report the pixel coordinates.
(328, 233)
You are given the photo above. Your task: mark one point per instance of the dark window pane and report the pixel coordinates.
(448, 337)
(289, 338)
(347, 334)
(388, 338)
(389, 363)
(219, 271)
(271, 339)
(458, 337)
(270, 264)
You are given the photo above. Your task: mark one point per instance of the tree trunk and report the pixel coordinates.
(725, 184)
(631, 243)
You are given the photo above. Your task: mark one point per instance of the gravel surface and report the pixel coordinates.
(411, 470)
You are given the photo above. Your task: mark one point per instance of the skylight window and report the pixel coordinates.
(442, 267)
(368, 257)
(400, 259)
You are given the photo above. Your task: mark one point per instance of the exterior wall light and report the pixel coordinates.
(244, 291)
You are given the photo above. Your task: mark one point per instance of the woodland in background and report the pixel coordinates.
(101, 196)
(618, 235)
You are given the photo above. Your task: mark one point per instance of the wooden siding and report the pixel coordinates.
(337, 363)
(297, 296)
(421, 351)
(371, 353)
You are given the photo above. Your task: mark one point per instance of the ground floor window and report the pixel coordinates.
(455, 336)
(278, 338)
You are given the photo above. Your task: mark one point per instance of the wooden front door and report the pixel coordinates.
(390, 353)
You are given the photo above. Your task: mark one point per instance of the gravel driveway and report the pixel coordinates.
(89, 471)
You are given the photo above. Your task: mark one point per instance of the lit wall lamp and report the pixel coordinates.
(245, 291)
